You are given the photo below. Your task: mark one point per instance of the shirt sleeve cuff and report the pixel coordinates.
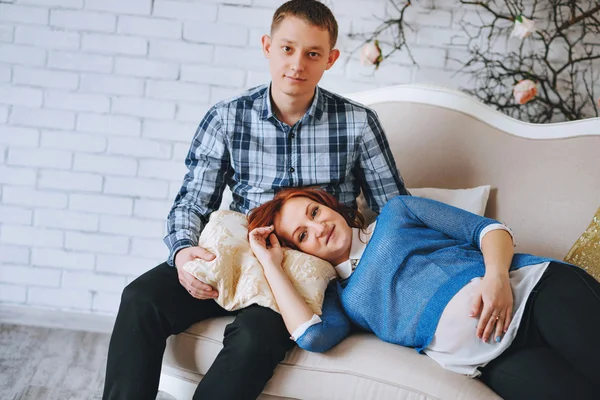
(180, 244)
(494, 227)
(302, 328)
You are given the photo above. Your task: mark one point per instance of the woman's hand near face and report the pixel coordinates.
(269, 254)
(294, 309)
(494, 306)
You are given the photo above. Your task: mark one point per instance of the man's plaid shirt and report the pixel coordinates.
(338, 145)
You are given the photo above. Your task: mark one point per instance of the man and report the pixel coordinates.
(288, 133)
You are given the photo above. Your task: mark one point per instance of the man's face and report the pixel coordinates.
(298, 56)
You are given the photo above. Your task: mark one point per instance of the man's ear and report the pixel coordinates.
(334, 54)
(266, 45)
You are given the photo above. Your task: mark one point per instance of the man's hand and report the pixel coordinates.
(194, 287)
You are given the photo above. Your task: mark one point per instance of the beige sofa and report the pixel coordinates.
(545, 185)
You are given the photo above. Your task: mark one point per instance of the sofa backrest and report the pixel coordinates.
(546, 190)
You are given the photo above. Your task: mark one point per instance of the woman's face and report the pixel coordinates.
(314, 229)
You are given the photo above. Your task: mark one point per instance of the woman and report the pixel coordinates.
(441, 280)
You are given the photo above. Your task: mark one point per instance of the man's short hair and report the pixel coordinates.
(312, 12)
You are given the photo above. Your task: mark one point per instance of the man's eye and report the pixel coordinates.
(302, 237)
(313, 54)
(314, 212)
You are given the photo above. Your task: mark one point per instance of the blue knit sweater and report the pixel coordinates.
(421, 254)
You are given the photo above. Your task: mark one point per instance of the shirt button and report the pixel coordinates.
(292, 135)
(292, 169)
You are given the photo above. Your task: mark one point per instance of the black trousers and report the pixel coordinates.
(555, 354)
(155, 306)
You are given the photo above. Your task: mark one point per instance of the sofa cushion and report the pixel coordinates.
(361, 367)
(473, 199)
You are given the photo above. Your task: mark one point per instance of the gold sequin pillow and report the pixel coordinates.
(239, 277)
(585, 253)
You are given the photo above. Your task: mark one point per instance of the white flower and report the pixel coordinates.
(523, 27)
(525, 91)
(371, 54)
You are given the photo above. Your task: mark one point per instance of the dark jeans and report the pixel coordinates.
(155, 306)
(555, 354)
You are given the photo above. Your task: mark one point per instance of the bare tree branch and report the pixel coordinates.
(560, 56)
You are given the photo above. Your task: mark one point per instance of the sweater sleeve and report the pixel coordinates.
(333, 328)
(453, 222)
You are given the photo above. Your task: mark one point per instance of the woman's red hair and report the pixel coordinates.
(264, 215)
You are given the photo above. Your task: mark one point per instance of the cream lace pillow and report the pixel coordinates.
(239, 277)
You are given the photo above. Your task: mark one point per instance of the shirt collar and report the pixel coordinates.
(357, 249)
(315, 110)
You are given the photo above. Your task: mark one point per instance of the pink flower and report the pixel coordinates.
(524, 91)
(371, 54)
(523, 27)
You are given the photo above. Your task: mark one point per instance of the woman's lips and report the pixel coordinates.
(330, 235)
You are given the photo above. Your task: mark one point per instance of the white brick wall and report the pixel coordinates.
(101, 204)
(26, 15)
(21, 95)
(99, 100)
(30, 197)
(15, 215)
(181, 10)
(5, 73)
(46, 38)
(41, 117)
(6, 33)
(21, 55)
(146, 68)
(14, 254)
(114, 44)
(19, 137)
(40, 158)
(70, 181)
(45, 78)
(149, 27)
(83, 21)
(62, 259)
(109, 124)
(106, 165)
(80, 62)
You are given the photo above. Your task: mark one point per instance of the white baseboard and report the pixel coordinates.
(49, 318)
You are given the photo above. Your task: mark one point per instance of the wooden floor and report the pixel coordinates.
(40, 363)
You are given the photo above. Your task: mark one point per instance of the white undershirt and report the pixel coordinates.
(455, 345)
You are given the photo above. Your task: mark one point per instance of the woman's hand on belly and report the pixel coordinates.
(493, 303)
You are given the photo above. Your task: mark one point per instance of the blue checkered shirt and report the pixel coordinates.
(338, 145)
